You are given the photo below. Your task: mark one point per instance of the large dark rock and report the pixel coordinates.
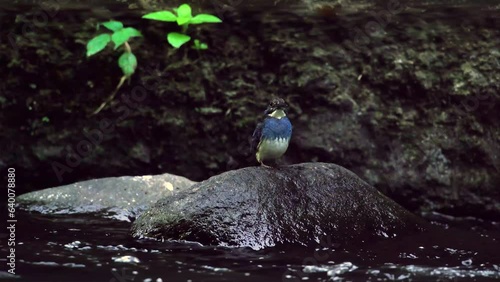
(120, 197)
(261, 207)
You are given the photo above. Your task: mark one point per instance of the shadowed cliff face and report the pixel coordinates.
(263, 207)
(405, 96)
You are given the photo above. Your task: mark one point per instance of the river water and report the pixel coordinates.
(99, 248)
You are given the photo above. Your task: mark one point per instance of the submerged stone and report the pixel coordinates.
(124, 196)
(261, 207)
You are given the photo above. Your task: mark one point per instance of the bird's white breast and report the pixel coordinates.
(271, 149)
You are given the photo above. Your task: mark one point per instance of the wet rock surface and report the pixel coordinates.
(121, 196)
(261, 207)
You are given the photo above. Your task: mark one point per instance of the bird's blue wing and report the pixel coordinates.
(257, 134)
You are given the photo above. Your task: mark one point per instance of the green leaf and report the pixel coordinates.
(196, 43)
(97, 44)
(164, 16)
(113, 25)
(177, 39)
(124, 35)
(204, 18)
(199, 45)
(183, 14)
(128, 63)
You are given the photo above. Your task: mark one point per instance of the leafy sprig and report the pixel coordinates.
(183, 17)
(120, 37)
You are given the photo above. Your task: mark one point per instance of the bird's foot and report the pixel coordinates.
(264, 165)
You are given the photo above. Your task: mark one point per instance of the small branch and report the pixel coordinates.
(122, 80)
(184, 28)
(127, 47)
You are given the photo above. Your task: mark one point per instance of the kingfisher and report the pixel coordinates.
(271, 137)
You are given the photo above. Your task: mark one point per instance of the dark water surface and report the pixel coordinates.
(91, 248)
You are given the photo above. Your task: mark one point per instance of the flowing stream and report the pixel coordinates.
(95, 248)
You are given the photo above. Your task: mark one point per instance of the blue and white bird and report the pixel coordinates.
(271, 137)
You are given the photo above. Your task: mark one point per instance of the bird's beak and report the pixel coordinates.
(269, 110)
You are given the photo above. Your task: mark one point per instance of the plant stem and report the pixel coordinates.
(127, 47)
(122, 80)
(184, 28)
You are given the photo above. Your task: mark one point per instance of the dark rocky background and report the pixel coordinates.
(406, 96)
